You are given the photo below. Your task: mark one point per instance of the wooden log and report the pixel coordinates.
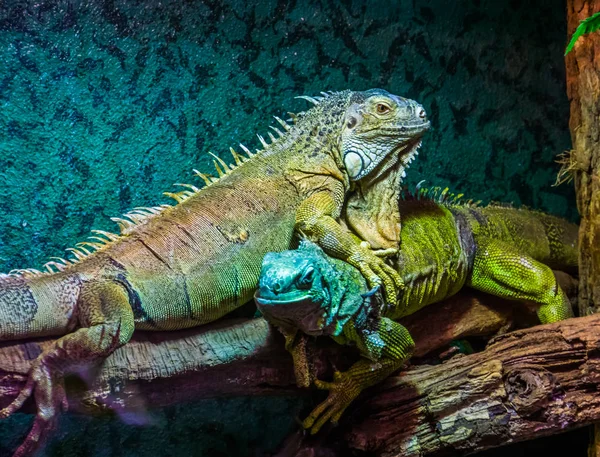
(158, 369)
(583, 90)
(526, 384)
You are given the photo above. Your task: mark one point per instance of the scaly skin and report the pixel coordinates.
(186, 265)
(503, 251)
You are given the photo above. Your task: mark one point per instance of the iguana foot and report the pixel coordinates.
(377, 272)
(49, 392)
(342, 391)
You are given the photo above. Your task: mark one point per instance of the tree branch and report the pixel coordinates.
(526, 384)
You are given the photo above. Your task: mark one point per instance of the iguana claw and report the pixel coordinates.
(342, 391)
(50, 399)
(377, 272)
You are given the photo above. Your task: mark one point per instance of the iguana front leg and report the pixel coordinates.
(107, 323)
(316, 219)
(387, 346)
(295, 344)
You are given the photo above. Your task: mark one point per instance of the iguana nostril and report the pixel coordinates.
(422, 114)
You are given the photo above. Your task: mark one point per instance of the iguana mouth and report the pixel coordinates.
(304, 312)
(407, 158)
(298, 300)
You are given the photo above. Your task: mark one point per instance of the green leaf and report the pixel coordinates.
(589, 25)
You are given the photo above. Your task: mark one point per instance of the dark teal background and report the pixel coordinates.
(105, 104)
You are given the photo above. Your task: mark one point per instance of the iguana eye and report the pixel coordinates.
(382, 108)
(305, 281)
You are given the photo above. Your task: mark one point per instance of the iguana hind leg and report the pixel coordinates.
(107, 322)
(501, 270)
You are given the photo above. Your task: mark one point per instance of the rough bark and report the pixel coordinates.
(526, 384)
(583, 90)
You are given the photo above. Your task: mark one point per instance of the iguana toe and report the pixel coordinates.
(50, 398)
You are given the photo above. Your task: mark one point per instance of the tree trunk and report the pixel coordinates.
(227, 358)
(583, 90)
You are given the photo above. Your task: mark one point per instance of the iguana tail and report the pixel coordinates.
(33, 305)
(548, 239)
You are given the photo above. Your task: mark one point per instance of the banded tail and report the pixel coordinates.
(37, 305)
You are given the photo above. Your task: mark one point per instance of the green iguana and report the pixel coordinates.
(499, 250)
(174, 267)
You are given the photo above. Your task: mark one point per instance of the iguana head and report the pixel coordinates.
(302, 289)
(377, 151)
(368, 128)
(378, 125)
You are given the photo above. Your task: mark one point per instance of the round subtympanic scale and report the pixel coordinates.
(354, 163)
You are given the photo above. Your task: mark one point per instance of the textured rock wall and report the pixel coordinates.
(105, 104)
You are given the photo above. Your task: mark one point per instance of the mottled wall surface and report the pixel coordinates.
(105, 104)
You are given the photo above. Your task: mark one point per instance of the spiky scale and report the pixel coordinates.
(262, 141)
(189, 186)
(221, 162)
(276, 130)
(141, 211)
(78, 254)
(123, 224)
(236, 156)
(136, 218)
(272, 137)
(204, 176)
(220, 172)
(443, 195)
(175, 196)
(101, 240)
(283, 123)
(61, 260)
(48, 266)
(83, 249)
(94, 246)
(110, 236)
(246, 150)
(308, 99)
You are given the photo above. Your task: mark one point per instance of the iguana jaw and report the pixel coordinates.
(407, 154)
(297, 310)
